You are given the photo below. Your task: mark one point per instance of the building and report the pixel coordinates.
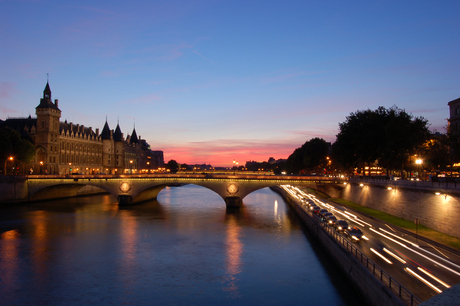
(454, 118)
(66, 148)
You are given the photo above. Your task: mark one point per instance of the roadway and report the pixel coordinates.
(422, 268)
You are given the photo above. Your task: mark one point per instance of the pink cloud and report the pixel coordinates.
(7, 89)
(6, 111)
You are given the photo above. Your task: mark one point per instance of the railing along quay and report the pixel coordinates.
(405, 295)
(443, 183)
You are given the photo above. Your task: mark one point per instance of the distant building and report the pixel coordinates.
(65, 148)
(454, 118)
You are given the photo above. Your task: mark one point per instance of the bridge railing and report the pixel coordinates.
(237, 176)
(435, 184)
(405, 295)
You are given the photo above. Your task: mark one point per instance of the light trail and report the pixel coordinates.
(394, 255)
(420, 254)
(434, 277)
(423, 280)
(438, 250)
(410, 242)
(356, 218)
(390, 228)
(381, 256)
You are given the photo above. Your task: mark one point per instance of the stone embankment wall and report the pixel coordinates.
(438, 212)
(15, 190)
(374, 292)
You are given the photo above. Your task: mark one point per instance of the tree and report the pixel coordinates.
(436, 152)
(173, 166)
(384, 136)
(12, 145)
(311, 156)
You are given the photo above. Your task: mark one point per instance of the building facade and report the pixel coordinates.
(67, 148)
(454, 118)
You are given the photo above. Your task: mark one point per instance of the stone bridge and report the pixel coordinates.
(129, 189)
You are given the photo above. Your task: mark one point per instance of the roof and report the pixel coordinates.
(46, 102)
(454, 101)
(70, 127)
(118, 136)
(134, 138)
(105, 134)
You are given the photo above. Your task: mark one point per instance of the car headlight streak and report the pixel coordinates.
(420, 254)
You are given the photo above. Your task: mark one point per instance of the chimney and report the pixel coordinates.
(56, 102)
(97, 131)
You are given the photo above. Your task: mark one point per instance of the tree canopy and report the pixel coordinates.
(311, 156)
(385, 136)
(12, 145)
(173, 166)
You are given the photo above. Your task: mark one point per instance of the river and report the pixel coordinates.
(184, 248)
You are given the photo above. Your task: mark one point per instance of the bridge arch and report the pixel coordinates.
(129, 189)
(58, 191)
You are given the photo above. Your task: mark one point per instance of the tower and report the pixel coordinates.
(47, 143)
(119, 150)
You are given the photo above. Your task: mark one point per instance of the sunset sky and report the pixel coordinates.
(217, 81)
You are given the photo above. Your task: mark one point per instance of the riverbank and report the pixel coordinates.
(422, 232)
(376, 286)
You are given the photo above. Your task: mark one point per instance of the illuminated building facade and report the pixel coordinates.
(66, 148)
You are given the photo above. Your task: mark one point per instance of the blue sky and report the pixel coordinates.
(214, 81)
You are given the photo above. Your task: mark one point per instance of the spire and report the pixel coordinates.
(105, 134)
(45, 102)
(134, 138)
(118, 136)
(47, 91)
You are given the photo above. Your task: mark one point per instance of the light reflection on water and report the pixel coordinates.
(185, 248)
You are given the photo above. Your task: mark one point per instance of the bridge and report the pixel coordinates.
(130, 189)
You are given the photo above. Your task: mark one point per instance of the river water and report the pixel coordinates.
(184, 248)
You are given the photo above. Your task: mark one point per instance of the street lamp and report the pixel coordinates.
(41, 165)
(11, 158)
(419, 162)
(235, 165)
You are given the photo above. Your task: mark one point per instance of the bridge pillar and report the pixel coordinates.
(233, 202)
(124, 199)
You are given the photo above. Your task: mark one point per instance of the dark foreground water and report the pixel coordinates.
(184, 249)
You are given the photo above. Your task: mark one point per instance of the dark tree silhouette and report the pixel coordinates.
(384, 136)
(12, 145)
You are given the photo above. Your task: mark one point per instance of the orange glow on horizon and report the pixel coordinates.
(223, 157)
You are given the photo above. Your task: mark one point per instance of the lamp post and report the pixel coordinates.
(41, 165)
(419, 162)
(11, 158)
(235, 166)
(131, 166)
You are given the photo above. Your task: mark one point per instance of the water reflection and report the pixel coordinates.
(9, 258)
(233, 250)
(128, 247)
(185, 248)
